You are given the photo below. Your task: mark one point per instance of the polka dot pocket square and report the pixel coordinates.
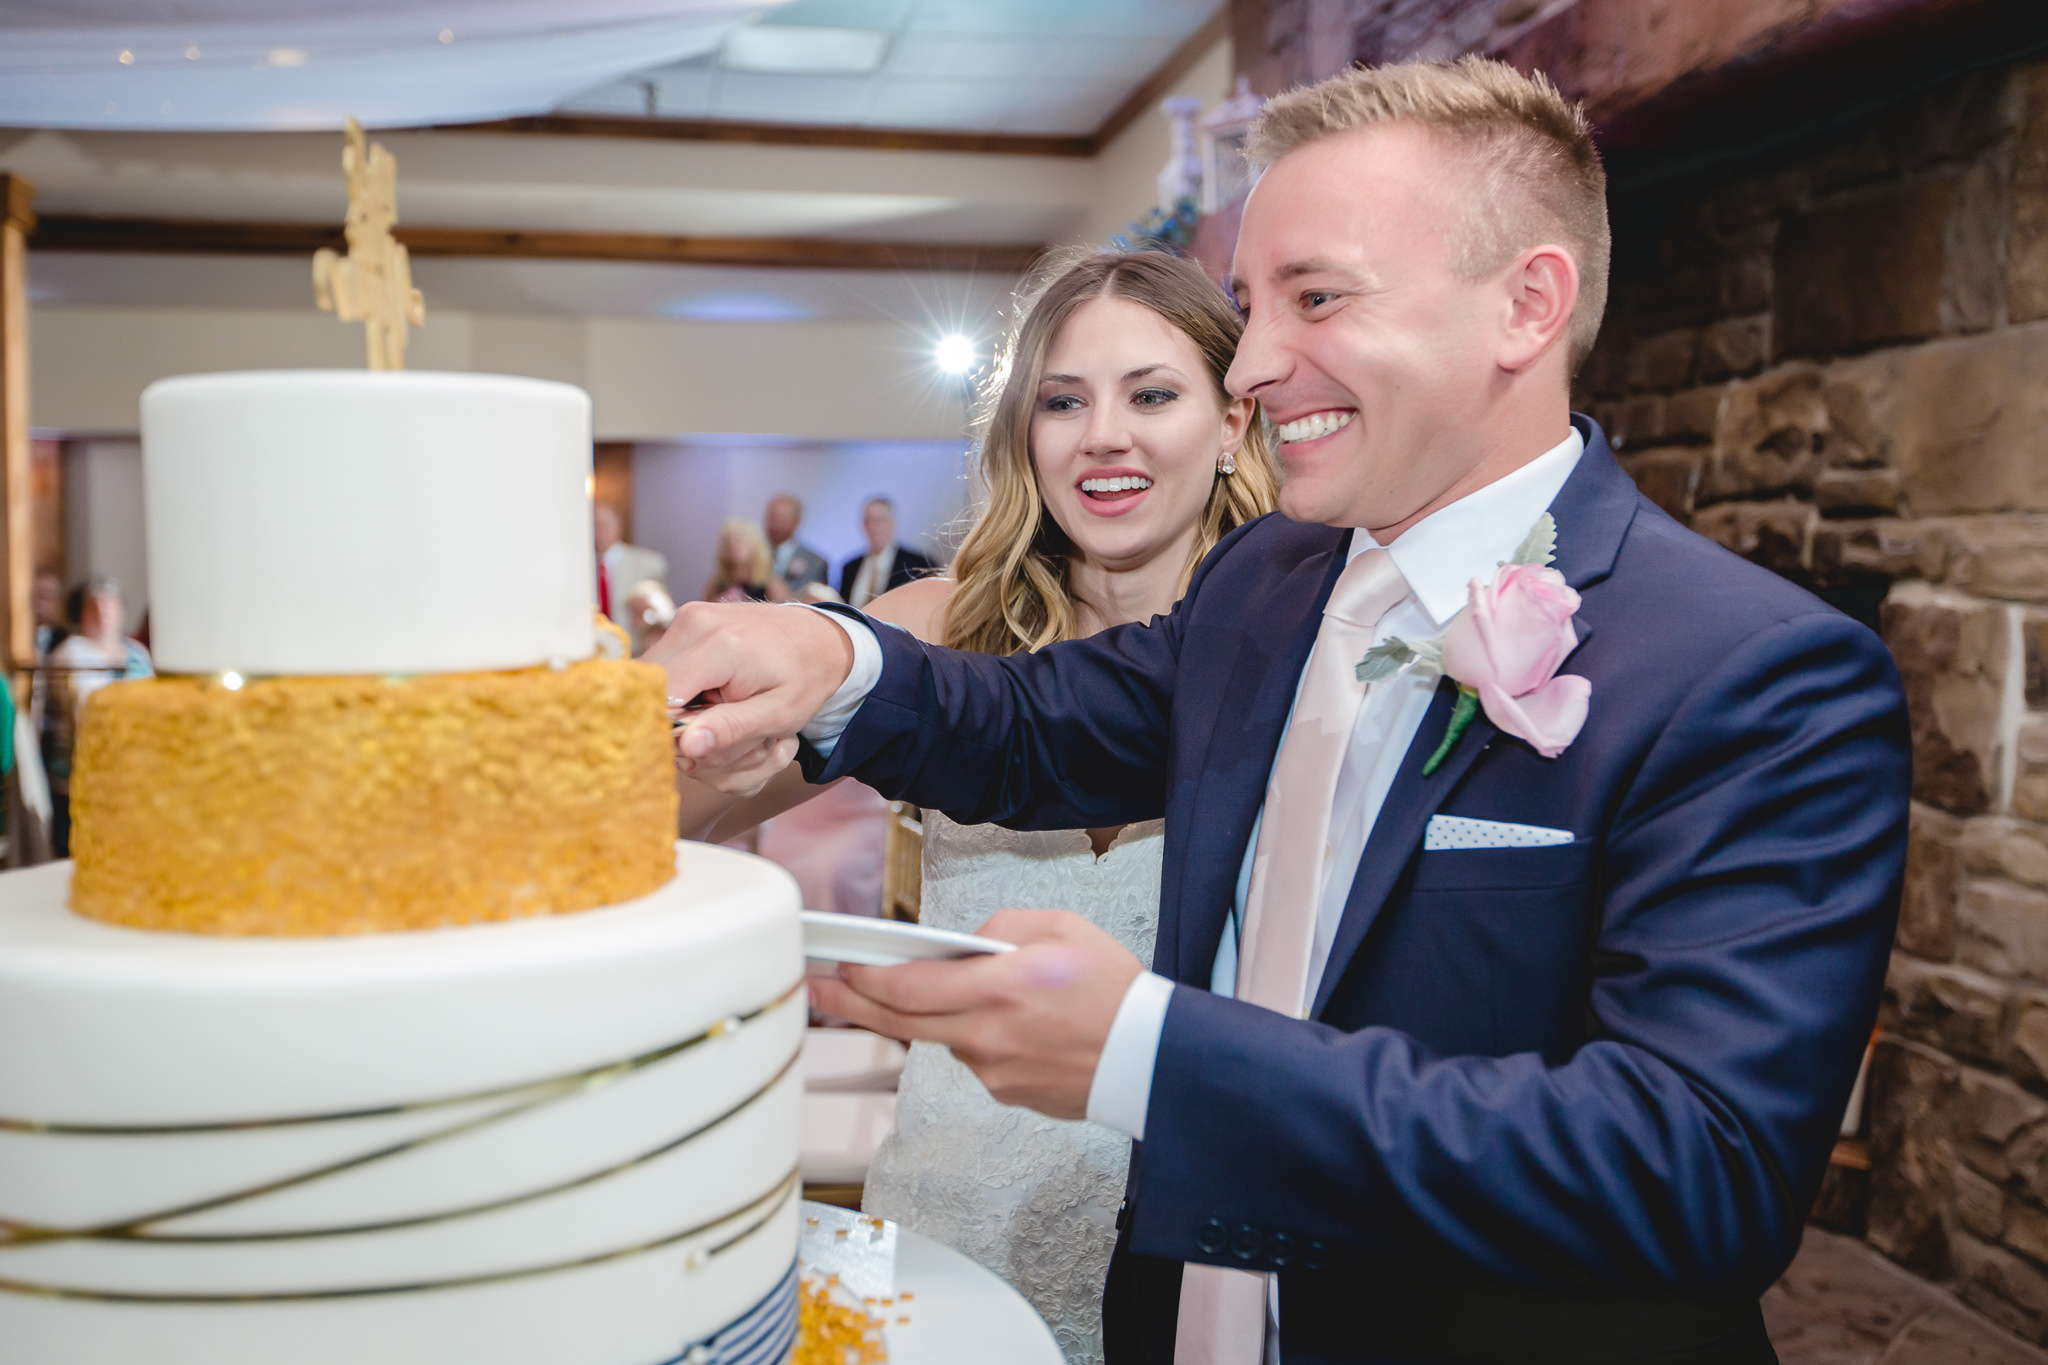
(1447, 832)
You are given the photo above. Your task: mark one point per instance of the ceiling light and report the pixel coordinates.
(191, 54)
(286, 56)
(737, 306)
(792, 49)
(447, 35)
(955, 353)
(126, 58)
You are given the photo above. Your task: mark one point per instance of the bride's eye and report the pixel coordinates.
(1062, 402)
(1153, 398)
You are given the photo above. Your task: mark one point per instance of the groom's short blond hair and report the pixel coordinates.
(1535, 173)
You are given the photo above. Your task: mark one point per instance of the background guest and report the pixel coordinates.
(99, 652)
(46, 600)
(744, 571)
(620, 566)
(796, 563)
(886, 565)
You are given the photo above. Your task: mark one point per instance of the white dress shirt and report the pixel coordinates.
(1438, 556)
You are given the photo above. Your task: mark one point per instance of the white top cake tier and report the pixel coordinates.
(335, 521)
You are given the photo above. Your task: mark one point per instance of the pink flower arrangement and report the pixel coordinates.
(1506, 647)
(1504, 651)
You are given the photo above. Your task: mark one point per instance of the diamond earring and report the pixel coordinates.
(1228, 464)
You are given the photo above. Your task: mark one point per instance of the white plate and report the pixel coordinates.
(956, 1311)
(886, 942)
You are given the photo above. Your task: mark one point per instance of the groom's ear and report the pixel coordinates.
(1540, 289)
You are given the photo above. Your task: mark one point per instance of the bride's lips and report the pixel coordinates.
(1113, 492)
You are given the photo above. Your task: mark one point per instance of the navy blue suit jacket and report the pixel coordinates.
(1606, 1073)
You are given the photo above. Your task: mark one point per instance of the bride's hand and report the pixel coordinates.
(745, 775)
(1031, 1023)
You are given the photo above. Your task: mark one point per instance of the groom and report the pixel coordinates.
(1468, 1037)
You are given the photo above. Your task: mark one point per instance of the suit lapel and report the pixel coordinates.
(1593, 511)
(1398, 831)
(1255, 701)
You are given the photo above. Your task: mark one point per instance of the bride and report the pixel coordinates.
(1113, 461)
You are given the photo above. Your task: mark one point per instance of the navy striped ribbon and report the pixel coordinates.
(763, 1335)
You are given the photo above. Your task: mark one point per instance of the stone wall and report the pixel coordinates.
(1833, 359)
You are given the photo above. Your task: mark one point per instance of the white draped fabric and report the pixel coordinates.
(310, 64)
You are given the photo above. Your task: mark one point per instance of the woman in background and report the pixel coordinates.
(1112, 460)
(98, 652)
(745, 569)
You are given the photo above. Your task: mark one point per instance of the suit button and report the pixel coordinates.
(1316, 1257)
(1279, 1249)
(1245, 1242)
(1211, 1236)
(1123, 1214)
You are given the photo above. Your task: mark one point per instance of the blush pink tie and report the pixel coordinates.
(1222, 1311)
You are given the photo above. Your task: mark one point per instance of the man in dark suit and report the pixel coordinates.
(886, 565)
(1541, 1059)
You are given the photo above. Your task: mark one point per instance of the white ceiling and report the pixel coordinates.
(1013, 66)
(1023, 66)
(161, 64)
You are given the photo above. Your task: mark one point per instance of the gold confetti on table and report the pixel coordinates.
(833, 1332)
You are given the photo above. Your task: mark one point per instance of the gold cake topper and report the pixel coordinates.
(373, 283)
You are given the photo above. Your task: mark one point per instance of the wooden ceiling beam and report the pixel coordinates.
(785, 134)
(181, 236)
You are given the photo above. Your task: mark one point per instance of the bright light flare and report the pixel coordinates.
(955, 353)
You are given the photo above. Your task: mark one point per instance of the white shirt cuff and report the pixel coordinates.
(830, 723)
(1122, 1089)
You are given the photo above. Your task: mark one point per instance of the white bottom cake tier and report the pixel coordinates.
(558, 1141)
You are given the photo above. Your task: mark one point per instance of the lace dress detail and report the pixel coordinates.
(1034, 1199)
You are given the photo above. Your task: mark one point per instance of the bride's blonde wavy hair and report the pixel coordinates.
(1011, 589)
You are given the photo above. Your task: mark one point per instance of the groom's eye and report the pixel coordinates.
(1316, 298)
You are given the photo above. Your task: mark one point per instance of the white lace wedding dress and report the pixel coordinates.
(1034, 1199)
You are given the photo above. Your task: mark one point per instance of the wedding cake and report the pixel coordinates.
(381, 1017)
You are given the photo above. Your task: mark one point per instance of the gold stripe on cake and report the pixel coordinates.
(346, 805)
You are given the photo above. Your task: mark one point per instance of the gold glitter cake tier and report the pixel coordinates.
(348, 805)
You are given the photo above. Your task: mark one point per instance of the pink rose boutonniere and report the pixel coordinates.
(1504, 651)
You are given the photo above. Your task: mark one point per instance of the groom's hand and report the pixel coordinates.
(766, 670)
(1030, 1023)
